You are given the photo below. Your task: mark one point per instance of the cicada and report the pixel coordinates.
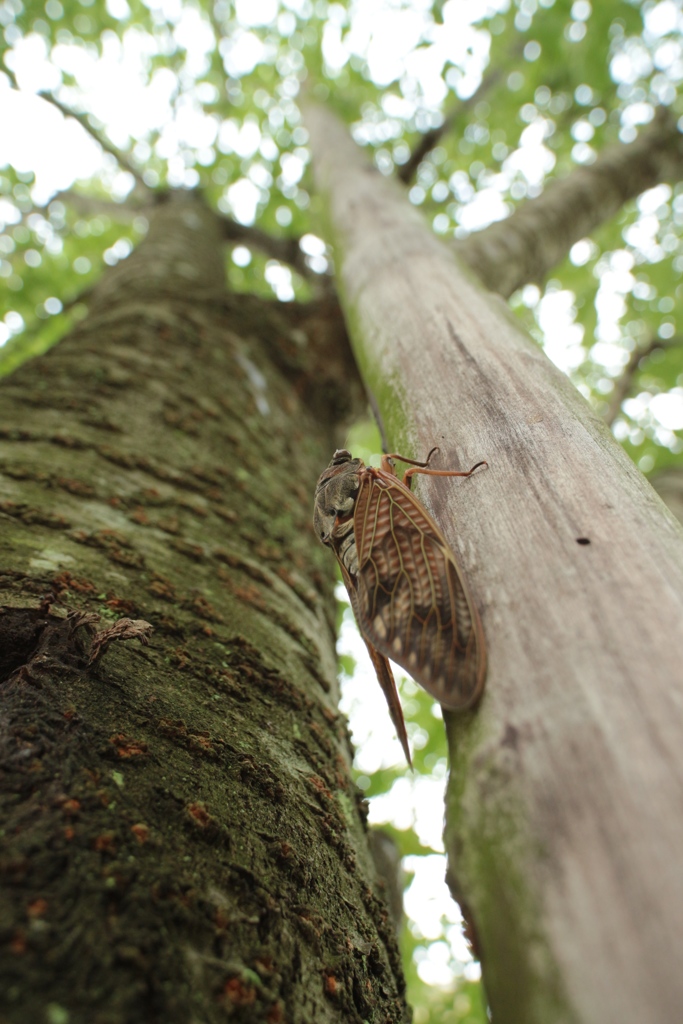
(406, 588)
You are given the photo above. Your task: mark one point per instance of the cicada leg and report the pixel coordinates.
(421, 467)
(387, 464)
(408, 475)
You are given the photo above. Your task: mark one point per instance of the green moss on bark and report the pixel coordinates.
(489, 862)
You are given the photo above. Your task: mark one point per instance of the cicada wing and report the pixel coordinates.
(386, 680)
(385, 676)
(411, 600)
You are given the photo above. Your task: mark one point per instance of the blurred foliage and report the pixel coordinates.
(203, 94)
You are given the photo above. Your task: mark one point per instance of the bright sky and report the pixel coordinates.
(35, 136)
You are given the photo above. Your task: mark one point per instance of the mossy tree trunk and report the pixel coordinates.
(181, 840)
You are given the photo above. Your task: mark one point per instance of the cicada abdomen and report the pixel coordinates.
(406, 588)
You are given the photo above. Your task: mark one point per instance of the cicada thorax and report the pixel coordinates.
(344, 537)
(335, 499)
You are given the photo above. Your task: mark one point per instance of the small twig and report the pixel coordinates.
(430, 139)
(99, 137)
(219, 34)
(286, 250)
(624, 383)
(12, 78)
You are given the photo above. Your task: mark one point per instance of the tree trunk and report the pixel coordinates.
(565, 805)
(181, 838)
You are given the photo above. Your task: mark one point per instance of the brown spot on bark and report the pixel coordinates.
(65, 581)
(138, 515)
(126, 747)
(162, 587)
(185, 547)
(199, 815)
(330, 984)
(239, 993)
(37, 908)
(105, 842)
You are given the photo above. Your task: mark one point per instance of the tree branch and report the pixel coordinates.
(90, 206)
(537, 236)
(431, 139)
(122, 158)
(99, 137)
(219, 33)
(624, 383)
(286, 250)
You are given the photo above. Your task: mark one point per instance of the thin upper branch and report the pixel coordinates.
(92, 206)
(431, 139)
(538, 235)
(219, 33)
(122, 158)
(99, 137)
(286, 250)
(624, 383)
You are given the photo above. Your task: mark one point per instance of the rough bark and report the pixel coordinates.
(181, 839)
(565, 807)
(538, 235)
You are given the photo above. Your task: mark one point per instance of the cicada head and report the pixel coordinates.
(335, 493)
